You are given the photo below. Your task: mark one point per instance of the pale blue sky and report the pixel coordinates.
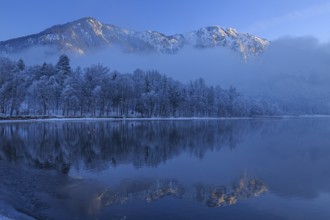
(269, 19)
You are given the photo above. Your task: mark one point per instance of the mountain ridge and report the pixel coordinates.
(88, 34)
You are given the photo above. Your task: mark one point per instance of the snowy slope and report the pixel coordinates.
(88, 34)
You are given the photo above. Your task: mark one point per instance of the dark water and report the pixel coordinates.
(194, 169)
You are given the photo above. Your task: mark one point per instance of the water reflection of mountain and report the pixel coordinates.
(212, 196)
(61, 145)
(42, 194)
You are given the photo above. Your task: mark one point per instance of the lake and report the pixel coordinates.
(166, 169)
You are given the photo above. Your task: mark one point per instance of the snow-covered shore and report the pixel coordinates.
(127, 119)
(36, 119)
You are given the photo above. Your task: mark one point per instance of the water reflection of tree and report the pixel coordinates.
(61, 145)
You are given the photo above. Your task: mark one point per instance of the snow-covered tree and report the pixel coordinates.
(58, 90)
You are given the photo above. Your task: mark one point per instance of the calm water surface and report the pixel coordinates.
(192, 169)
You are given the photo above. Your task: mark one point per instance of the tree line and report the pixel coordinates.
(95, 91)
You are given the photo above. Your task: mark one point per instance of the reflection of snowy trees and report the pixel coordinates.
(61, 145)
(95, 91)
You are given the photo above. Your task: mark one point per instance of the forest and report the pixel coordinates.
(95, 91)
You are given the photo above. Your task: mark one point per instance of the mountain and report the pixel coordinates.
(88, 34)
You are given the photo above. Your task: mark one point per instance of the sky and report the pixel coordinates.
(270, 19)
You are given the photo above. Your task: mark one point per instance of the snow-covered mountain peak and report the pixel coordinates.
(87, 34)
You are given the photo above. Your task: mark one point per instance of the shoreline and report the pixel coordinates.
(57, 118)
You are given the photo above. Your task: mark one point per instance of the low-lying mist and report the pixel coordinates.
(292, 71)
